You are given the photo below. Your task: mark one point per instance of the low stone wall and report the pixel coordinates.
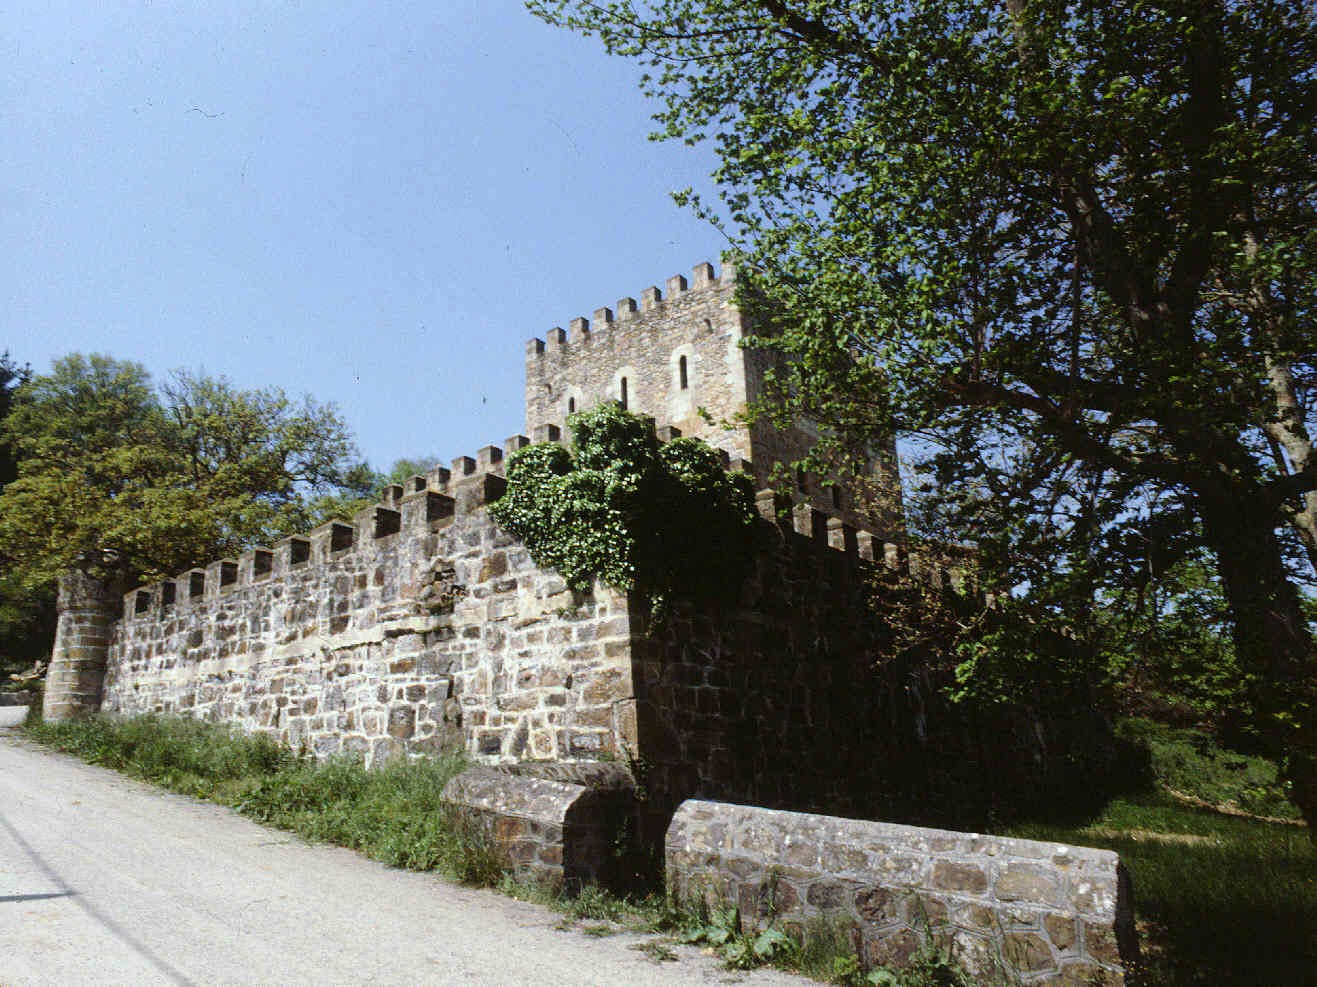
(1032, 913)
(557, 832)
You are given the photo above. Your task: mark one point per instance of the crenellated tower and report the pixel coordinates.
(677, 356)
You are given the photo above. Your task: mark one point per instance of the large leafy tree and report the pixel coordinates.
(1071, 245)
(131, 481)
(26, 618)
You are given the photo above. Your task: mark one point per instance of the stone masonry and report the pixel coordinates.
(87, 610)
(1028, 912)
(677, 357)
(420, 627)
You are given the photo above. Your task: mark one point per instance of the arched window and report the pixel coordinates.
(681, 369)
(624, 398)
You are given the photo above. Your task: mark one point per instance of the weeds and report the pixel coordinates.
(657, 950)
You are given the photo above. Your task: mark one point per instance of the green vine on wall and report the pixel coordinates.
(665, 520)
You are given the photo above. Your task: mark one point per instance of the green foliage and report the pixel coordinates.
(27, 614)
(665, 520)
(126, 480)
(1218, 900)
(1070, 249)
(1190, 763)
(12, 376)
(189, 756)
(741, 950)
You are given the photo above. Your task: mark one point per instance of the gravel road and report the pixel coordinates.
(107, 881)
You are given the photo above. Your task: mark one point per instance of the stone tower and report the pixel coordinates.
(678, 357)
(88, 608)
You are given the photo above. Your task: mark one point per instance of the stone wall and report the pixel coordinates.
(562, 830)
(788, 697)
(86, 623)
(1033, 913)
(421, 627)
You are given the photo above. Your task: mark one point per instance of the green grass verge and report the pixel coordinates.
(392, 814)
(1218, 899)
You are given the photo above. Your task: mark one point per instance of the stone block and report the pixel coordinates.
(901, 883)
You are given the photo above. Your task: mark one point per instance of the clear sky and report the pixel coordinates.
(374, 203)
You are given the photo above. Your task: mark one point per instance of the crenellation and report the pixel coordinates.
(422, 628)
(290, 552)
(811, 522)
(842, 536)
(378, 522)
(438, 478)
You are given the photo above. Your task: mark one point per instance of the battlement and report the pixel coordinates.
(420, 505)
(582, 331)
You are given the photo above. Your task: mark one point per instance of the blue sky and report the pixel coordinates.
(374, 203)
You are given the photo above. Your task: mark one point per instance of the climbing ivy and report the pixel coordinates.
(665, 520)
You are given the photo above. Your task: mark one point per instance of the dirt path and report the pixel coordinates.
(107, 881)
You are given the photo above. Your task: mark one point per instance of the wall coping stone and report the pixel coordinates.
(1041, 913)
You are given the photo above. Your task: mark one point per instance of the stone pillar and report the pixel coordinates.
(87, 609)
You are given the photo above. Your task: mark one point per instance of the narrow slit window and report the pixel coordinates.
(624, 395)
(836, 497)
(681, 368)
(571, 406)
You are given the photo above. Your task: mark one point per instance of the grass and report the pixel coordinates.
(1219, 899)
(392, 814)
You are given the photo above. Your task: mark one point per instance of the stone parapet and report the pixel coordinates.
(1032, 913)
(556, 832)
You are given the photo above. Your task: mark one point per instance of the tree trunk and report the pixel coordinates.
(1271, 637)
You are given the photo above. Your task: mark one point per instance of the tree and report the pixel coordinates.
(11, 377)
(1071, 246)
(26, 620)
(130, 482)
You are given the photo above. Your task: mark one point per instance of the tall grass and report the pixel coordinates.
(1218, 900)
(392, 813)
